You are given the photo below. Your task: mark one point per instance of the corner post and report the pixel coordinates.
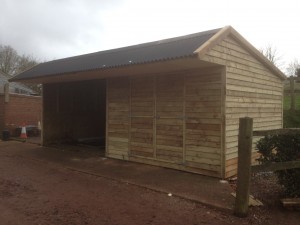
(244, 166)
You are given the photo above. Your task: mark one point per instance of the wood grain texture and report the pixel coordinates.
(252, 90)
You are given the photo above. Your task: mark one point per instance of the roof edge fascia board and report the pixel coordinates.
(230, 31)
(239, 38)
(214, 40)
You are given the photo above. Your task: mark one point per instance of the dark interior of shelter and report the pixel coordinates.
(75, 113)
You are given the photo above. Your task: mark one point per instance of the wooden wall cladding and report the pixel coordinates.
(251, 90)
(117, 117)
(142, 117)
(173, 118)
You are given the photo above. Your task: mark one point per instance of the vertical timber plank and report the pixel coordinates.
(223, 122)
(129, 118)
(154, 116)
(184, 119)
(244, 166)
(106, 122)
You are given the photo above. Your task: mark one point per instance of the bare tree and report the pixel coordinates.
(293, 68)
(8, 59)
(25, 62)
(271, 53)
(12, 63)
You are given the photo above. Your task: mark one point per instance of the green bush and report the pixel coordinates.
(281, 148)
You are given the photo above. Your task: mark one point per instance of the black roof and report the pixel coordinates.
(167, 49)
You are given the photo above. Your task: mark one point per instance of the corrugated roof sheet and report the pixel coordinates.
(167, 49)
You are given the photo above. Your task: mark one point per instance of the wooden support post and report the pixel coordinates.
(244, 167)
(292, 93)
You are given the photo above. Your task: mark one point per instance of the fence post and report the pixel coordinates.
(244, 166)
(292, 93)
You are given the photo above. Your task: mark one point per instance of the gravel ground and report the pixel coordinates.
(32, 192)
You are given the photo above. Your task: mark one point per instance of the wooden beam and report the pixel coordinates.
(291, 202)
(284, 131)
(244, 167)
(275, 166)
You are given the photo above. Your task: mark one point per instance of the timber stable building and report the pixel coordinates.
(174, 103)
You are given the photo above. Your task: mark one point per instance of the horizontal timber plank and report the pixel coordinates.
(241, 93)
(173, 159)
(201, 92)
(169, 121)
(164, 127)
(177, 143)
(215, 103)
(148, 140)
(169, 132)
(141, 144)
(203, 132)
(203, 166)
(206, 98)
(205, 149)
(141, 149)
(117, 150)
(219, 53)
(262, 76)
(200, 142)
(117, 139)
(177, 154)
(123, 135)
(203, 155)
(142, 126)
(284, 131)
(117, 156)
(141, 153)
(203, 160)
(198, 86)
(170, 137)
(260, 116)
(203, 121)
(265, 85)
(275, 166)
(201, 115)
(140, 130)
(252, 109)
(163, 163)
(203, 126)
(195, 113)
(205, 138)
(253, 90)
(238, 78)
(238, 99)
(141, 135)
(171, 143)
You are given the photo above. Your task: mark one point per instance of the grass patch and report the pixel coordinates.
(287, 102)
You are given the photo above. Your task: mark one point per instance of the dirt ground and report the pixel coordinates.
(33, 192)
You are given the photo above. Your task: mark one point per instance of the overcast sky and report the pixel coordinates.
(52, 29)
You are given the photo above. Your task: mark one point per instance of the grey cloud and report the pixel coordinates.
(49, 29)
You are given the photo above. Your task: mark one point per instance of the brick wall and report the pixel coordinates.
(21, 109)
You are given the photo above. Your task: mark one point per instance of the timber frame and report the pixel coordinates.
(181, 111)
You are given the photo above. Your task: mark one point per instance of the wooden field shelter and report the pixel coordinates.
(174, 103)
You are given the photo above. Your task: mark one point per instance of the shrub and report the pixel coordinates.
(281, 148)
